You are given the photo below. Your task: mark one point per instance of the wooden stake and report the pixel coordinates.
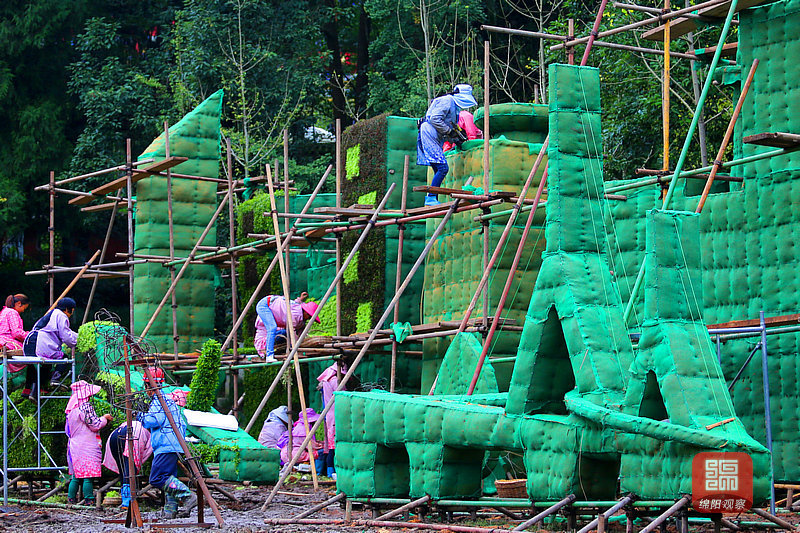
(544, 514)
(486, 179)
(290, 326)
(570, 36)
(323, 505)
(404, 508)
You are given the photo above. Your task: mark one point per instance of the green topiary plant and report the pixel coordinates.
(87, 336)
(205, 379)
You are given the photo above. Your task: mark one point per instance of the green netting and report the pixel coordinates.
(569, 410)
(195, 136)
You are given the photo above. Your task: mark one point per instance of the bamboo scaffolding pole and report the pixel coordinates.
(93, 174)
(74, 281)
(102, 258)
(570, 36)
(650, 20)
(685, 150)
(62, 269)
(402, 509)
(321, 506)
(338, 237)
(323, 301)
(605, 514)
(171, 219)
(274, 262)
(601, 44)
(401, 230)
(666, 514)
(547, 512)
(85, 194)
(186, 264)
(728, 134)
(486, 134)
(292, 339)
(652, 11)
(701, 125)
(129, 214)
(665, 93)
(343, 382)
(51, 231)
(234, 375)
(774, 519)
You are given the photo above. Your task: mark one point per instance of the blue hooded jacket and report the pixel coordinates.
(162, 438)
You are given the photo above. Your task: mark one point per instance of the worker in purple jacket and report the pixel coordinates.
(45, 340)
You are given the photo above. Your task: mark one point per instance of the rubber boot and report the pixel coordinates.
(125, 493)
(431, 199)
(170, 507)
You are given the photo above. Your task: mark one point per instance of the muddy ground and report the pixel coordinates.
(244, 515)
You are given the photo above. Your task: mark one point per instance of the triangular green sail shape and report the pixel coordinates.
(459, 364)
(197, 137)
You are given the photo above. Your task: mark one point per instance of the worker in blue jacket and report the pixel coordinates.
(166, 449)
(439, 125)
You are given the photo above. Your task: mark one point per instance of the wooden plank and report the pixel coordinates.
(774, 139)
(784, 320)
(101, 207)
(681, 26)
(447, 190)
(705, 54)
(138, 175)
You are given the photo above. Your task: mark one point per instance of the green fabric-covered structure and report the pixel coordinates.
(583, 407)
(196, 136)
(747, 233)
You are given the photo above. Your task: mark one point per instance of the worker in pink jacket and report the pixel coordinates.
(12, 332)
(84, 449)
(271, 321)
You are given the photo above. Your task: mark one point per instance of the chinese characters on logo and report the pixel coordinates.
(722, 482)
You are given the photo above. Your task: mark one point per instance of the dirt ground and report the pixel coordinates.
(244, 515)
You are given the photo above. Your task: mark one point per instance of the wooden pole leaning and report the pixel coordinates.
(290, 325)
(323, 301)
(486, 135)
(74, 280)
(544, 514)
(372, 335)
(178, 277)
(274, 262)
(728, 134)
(401, 231)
